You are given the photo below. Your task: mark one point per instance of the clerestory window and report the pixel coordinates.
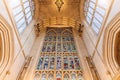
(95, 11)
(22, 11)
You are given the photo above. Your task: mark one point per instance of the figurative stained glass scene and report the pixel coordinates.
(59, 58)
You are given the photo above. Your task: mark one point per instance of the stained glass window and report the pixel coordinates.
(51, 77)
(66, 77)
(59, 55)
(58, 76)
(37, 76)
(44, 77)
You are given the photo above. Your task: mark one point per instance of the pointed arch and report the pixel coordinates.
(37, 76)
(66, 76)
(80, 76)
(44, 76)
(109, 46)
(59, 76)
(51, 76)
(7, 46)
(66, 30)
(73, 76)
(51, 32)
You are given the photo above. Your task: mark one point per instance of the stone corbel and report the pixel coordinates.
(80, 30)
(37, 29)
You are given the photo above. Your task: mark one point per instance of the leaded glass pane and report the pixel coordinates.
(95, 28)
(27, 10)
(17, 10)
(100, 10)
(103, 3)
(46, 61)
(66, 77)
(14, 3)
(58, 77)
(18, 17)
(88, 19)
(73, 76)
(93, 1)
(92, 5)
(26, 4)
(28, 15)
(20, 10)
(29, 19)
(91, 10)
(21, 29)
(99, 17)
(97, 23)
(89, 15)
(51, 77)
(37, 76)
(20, 23)
(59, 62)
(24, 0)
(80, 77)
(44, 77)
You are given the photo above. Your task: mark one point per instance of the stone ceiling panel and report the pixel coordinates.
(70, 8)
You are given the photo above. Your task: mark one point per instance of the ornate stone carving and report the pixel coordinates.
(80, 30)
(37, 29)
(92, 68)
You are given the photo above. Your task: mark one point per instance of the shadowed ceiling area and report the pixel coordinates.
(70, 8)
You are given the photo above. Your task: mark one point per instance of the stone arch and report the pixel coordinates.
(117, 48)
(6, 47)
(52, 31)
(109, 46)
(66, 30)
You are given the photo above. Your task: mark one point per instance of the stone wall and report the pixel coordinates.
(22, 43)
(95, 43)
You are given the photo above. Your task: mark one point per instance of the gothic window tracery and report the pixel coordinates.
(51, 76)
(66, 77)
(37, 76)
(59, 56)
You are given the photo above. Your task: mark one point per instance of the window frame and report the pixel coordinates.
(87, 2)
(22, 11)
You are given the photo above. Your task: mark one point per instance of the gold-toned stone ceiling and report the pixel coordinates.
(70, 9)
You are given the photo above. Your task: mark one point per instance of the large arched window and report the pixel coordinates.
(22, 11)
(59, 58)
(95, 11)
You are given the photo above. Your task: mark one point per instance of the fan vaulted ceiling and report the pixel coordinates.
(70, 8)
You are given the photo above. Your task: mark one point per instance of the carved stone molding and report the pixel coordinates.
(6, 53)
(109, 46)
